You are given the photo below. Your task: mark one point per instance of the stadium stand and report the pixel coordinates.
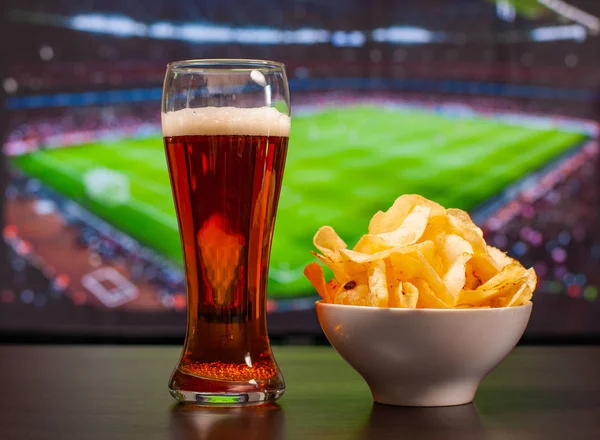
(553, 227)
(68, 87)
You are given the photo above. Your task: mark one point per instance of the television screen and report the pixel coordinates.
(488, 106)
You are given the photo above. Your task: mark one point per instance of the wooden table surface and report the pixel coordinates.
(107, 392)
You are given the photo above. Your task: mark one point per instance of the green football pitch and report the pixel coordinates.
(344, 164)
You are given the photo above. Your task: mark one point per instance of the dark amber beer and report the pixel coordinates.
(226, 167)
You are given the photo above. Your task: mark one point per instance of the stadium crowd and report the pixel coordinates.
(39, 128)
(553, 227)
(103, 243)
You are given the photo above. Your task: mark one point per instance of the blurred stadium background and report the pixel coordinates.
(490, 106)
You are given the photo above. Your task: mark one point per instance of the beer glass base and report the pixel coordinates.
(226, 399)
(191, 389)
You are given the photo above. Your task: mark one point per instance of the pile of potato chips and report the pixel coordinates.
(419, 255)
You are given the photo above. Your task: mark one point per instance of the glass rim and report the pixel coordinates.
(225, 63)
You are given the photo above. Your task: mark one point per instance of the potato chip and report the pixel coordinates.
(425, 248)
(521, 296)
(456, 253)
(483, 264)
(456, 276)
(370, 244)
(531, 279)
(437, 227)
(332, 287)
(417, 254)
(464, 218)
(471, 280)
(428, 249)
(352, 295)
(401, 295)
(359, 257)
(409, 296)
(410, 230)
(507, 282)
(391, 220)
(407, 233)
(454, 247)
(328, 242)
(378, 293)
(427, 297)
(499, 257)
(316, 276)
(345, 270)
(508, 273)
(412, 264)
(394, 285)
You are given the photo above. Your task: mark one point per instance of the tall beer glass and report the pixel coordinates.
(225, 126)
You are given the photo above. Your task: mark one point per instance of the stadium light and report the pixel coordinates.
(553, 33)
(258, 36)
(116, 25)
(403, 34)
(124, 26)
(505, 10)
(162, 31)
(306, 36)
(205, 33)
(348, 39)
(572, 13)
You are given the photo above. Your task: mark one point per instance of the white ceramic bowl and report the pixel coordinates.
(423, 357)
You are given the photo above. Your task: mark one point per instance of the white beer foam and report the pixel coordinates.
(262, 121)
